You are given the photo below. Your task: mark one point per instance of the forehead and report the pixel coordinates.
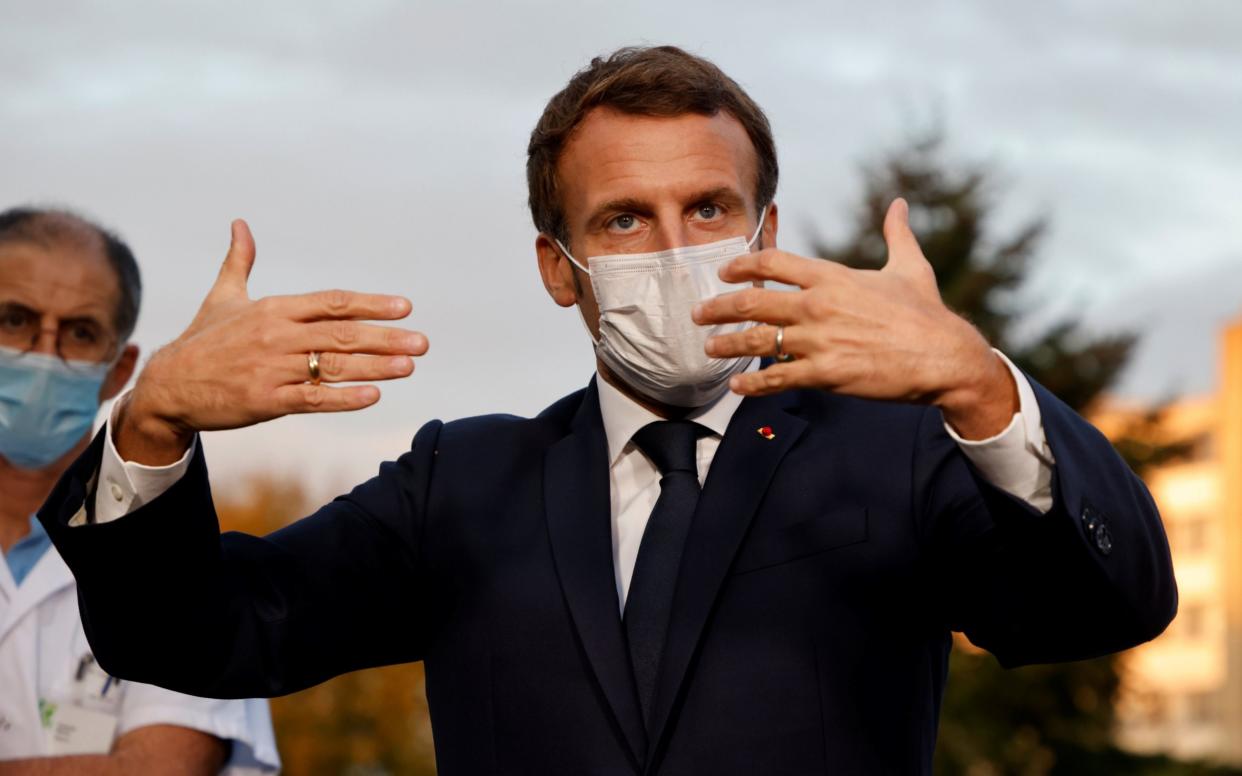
(67, 278)
(613, 155)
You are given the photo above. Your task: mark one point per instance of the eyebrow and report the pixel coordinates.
(6, 304)
(623, 204)
(724, 194)
(85, 319)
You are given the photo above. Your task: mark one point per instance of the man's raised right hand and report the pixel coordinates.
(244, 361)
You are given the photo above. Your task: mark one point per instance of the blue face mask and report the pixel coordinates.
(46, 405)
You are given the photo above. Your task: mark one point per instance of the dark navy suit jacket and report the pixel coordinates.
(824, 571)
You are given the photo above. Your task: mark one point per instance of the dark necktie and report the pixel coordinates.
(670, 444)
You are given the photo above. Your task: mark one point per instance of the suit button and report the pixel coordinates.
(1096, 526)
(1103, 539)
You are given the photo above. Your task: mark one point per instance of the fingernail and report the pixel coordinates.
(413, 341)
(696, 312)
(735, 384)
(400, 305)
(710, 346)
(401, 364)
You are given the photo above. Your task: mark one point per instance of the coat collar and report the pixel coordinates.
(48, 577)
(576, 493)
(623, 417)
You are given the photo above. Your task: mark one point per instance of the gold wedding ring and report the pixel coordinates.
(312, 366)
(781, 355)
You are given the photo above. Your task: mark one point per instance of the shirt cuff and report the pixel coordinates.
(1017, 460)
(124, 486)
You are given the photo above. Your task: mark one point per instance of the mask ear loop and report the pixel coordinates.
(763, 215)
(570, 256)
(581, 315)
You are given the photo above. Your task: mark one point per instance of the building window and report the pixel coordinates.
(1201, 707)
(1190, 535)
(1191, 621)
(1194, 535)
(1151, 708)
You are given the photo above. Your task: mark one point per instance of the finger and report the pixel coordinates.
(304, 398)
(903, 247)
(756, 341)
(762, 305)
(341, 305)
(347, 368)
(775, 265)
(238, 261)
(774, 379)
(360, 338)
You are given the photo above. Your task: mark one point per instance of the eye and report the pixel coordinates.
(15, 318)
(84, 333)
(624, 222)
(708, 211)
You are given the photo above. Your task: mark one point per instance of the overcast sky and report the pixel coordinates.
(380, 146)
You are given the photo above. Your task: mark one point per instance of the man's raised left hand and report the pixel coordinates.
(878, 335)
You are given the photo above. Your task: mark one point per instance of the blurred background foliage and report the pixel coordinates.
(1031, 721)
(367, 723)
(1049, 719)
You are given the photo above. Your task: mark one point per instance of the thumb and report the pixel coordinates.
(904, 252)
(238, 262)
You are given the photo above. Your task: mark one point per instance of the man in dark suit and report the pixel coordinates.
(694, 565)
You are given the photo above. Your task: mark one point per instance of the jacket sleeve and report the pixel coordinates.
(1091, 576)
(166, 599)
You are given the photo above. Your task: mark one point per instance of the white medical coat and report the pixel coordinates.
(44, 657)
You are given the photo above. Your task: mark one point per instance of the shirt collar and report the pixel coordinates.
(26, 552)
(623, 416)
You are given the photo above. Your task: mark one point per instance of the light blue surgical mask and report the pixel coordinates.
(46, 405)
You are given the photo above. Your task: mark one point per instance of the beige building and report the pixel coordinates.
(1182, 693)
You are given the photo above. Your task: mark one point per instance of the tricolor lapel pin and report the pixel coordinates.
(766, 432)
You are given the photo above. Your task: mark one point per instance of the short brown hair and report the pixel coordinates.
(647, 81)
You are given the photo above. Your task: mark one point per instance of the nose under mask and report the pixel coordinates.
(46, 406)
(646, 336)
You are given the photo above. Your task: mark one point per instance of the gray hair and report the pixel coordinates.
(49, 225)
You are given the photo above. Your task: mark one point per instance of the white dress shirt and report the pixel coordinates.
(1017, 460)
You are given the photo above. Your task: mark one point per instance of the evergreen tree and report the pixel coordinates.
(978, 273)
(1036, 719)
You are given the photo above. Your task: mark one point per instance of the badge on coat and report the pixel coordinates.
(86, 721)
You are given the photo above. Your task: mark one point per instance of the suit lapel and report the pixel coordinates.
(576, 492)
(738, 478)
